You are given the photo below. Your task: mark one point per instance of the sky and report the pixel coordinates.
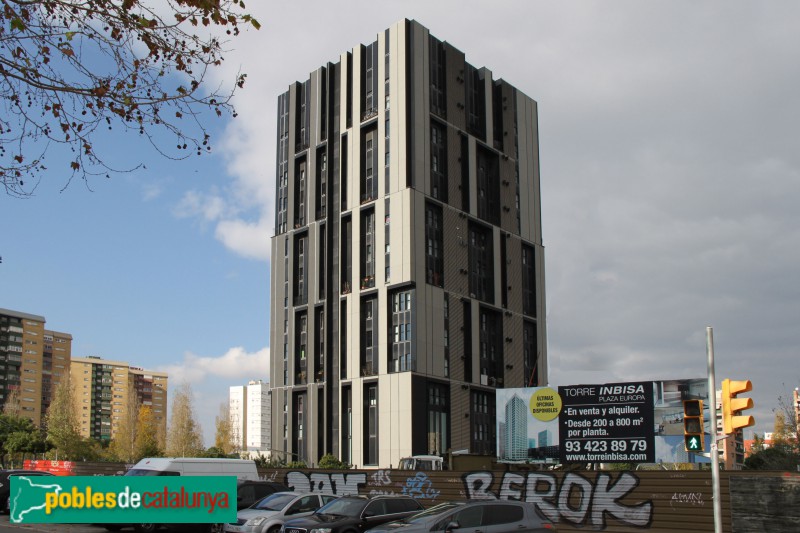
(670, 177)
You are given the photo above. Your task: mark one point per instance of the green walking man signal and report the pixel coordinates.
(693, 434)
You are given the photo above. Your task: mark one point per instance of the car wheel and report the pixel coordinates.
(274, 529)
(215, 528)
(145, 528)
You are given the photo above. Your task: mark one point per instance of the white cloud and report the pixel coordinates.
(233, 364)
(247, 239)
(209, 207)
(211, 377)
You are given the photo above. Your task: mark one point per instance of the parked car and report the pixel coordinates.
(5, 484)
(353, 514)
(268, 514)
(484, 516)
(249, 491)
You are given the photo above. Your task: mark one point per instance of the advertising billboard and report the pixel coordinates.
(631, 422)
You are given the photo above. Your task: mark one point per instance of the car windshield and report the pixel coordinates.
(433, 511)
(274, 502)
(343, 507)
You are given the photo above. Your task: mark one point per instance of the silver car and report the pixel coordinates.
(475, 516)
(269, 514)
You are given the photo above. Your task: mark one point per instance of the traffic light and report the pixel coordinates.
(693, 434)
(731, 405)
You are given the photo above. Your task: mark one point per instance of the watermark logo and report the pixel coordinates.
(122, 499)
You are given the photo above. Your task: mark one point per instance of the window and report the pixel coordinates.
(490, 340)
(482, 422)
(437, 75)
(476, 105)
(347, 254)
(300, 269)
(488, 185)
(282, 178)
(371, 425)
(320, 348)
(369, 87)
(387, 241)
(528, 281)
(369, 151)
(438, 161)
(401, 356)
(322, 183)
(438, 409)
(301, 348)
(368, 249)
(369, 337)
(530, 355)
(300, 194)
(434, 265)
(481, 263)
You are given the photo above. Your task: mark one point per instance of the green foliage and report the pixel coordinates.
(62, 426)
(58, 95)
(273, 461)
(332, 462)
(214, 451)
(773, 458)
(297, 464)
(19, 436)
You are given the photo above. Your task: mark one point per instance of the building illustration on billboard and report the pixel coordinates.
(634, 422)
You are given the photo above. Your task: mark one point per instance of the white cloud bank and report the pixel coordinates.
(211, 377)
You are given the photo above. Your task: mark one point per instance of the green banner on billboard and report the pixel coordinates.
(122, 499)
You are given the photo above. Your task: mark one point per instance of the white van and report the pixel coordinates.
(421, 462)
(189, 466)
(194, 466)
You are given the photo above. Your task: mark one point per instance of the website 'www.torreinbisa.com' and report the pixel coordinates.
(601, 457)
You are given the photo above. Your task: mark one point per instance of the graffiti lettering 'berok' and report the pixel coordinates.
(576, 500)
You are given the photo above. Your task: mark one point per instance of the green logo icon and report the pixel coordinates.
(122, 499)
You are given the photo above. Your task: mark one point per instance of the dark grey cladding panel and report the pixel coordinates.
(455, 96)
(460, 426)
(456, 337)
(456, 256)
(512, 352)
(454, 169)
(507, 101)
(508, 195)
(514, 258)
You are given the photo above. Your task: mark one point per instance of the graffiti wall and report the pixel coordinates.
(657, 502)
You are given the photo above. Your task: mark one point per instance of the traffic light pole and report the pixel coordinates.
(712, 412)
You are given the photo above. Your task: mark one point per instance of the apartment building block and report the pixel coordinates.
(106, 391)
(33, 360)
(407, 260)
(249, 411)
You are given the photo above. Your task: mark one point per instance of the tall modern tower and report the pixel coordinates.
(407, 261)
(516, 429)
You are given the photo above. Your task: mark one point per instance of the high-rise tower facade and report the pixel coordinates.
(407, 261)
(248, 408)
(33, 361)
